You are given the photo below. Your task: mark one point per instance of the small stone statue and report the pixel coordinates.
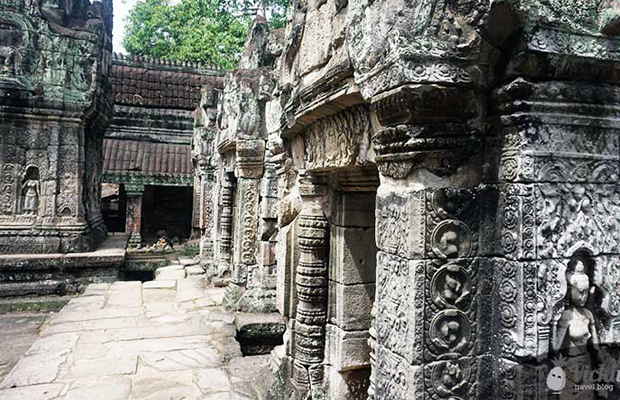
(576, 336)
(30, 192)
(577, 328)
(6, 61)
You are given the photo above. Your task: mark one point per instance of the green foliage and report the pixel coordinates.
(276, 10)
(190, 249)
(204, 31)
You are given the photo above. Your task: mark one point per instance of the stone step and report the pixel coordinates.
(220, 282)
(259, 333)
(40, 288)
(33, 304)
(171, 272)
(194, 270)
(186, 261)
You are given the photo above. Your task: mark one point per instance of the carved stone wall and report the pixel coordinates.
(55, 104)
(493, 128)
(244, 237)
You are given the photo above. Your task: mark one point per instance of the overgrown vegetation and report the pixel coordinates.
(204, 31)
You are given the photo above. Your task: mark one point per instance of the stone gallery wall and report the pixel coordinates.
(235, 166)
(149, 141)
(446, 210)
(55, 104)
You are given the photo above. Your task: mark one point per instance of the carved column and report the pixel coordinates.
(249, 288)
(432, 316)
(227, 190)
(311, 283)
(133, 223)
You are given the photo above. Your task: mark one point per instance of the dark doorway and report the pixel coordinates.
(169, 209)
(113, 206)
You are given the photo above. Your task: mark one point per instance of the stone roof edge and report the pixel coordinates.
(163, 64)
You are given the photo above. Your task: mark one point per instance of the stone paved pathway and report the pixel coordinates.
(18, 331)
(165, 339)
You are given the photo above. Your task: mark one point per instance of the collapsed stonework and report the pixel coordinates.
(440, 182)
(55, 104)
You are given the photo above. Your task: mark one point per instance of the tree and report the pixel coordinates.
(204, 31)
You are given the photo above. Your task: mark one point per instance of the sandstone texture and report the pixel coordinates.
(127, 340)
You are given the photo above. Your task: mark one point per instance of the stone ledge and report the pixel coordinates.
(111, 254)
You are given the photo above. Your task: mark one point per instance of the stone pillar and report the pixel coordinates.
(433, 312)
(133, 224)
(311, 283)
(248, 291)
(245, 227)
(227, 190)
(206, 215)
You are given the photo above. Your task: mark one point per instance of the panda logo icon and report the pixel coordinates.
(556, 380)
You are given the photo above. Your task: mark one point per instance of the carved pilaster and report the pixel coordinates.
(311, 282)
(133, 224)
(427, 337)
(206, 221)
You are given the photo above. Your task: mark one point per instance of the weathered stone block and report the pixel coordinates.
(441, 223)
(350, 305)
(267, 253)
(355, 209)
(261, 276)
(269, 207)
(250, 158)
(347, 349)
(287, 254)
(353, 255)
(349, 385)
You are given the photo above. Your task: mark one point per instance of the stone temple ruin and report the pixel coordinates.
(426, 192)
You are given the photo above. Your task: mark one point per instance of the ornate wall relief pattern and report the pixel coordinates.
(568, 214)
(248, 219)
(401, 224)
(339, 140)
(395, 378)
(398, 324)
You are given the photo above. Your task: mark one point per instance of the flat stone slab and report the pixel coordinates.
(194, 270)
(172, 272)
(160, 284)
(186, 261)
(212, 380)
(36, 369)
(165, 339)
(39, 392)
(17, 334)
(180, 360)
(100, 388)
